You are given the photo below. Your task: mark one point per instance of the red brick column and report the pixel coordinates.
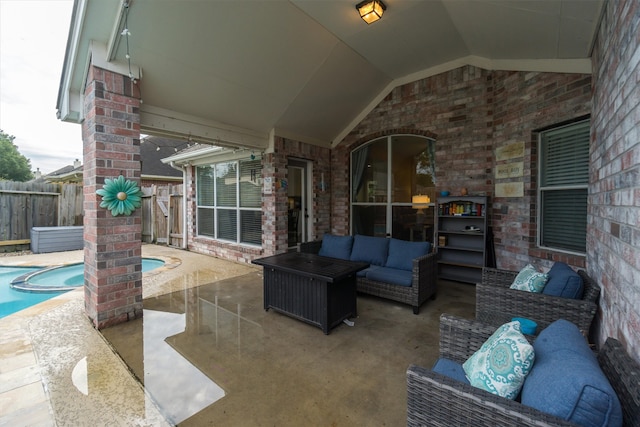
(112, 248)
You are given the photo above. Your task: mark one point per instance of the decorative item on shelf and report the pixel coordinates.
(420, 202)
(120, 196)
(371, 10)
(463, 191)
(442, 240)
(444, 193)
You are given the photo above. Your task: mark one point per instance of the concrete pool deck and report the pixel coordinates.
(45, 349)
(209, 354)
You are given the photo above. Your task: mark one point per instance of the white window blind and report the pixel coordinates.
(229, 199)
(564, 179)
(205, 201)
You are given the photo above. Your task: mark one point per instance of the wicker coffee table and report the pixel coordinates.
(318, 290)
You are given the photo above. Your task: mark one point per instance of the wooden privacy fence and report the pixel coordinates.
(162, 214)
(24, 205)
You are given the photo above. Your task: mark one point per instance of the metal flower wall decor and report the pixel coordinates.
(120, 196)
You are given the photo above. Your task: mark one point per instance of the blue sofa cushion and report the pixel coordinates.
(451, 369)
(559, 336)
(567, 381)
(391, 275)
(372, 250)
(563, 282)
(402, 253)
(363, 273)
(336, 246)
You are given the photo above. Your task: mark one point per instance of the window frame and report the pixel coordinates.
(389, 202)
(238, 209)
(547, 189)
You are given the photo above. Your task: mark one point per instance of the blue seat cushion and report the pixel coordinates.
(563, 282)
(567, 381)
(391, 275)
(451, 369)
(402, 253)
(363, 273)
(372, 250)
(336, 246)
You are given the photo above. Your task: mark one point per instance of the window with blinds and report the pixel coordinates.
(563, 187)
(229, 197)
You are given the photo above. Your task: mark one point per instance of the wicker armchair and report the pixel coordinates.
(437, 400)
(497, 304)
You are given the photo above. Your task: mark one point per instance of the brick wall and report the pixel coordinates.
(112, 251)
(522, 103)
(613, 241)
(471, 112)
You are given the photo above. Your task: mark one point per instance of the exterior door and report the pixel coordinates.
(299, 208)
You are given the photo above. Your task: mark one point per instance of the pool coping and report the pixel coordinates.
(21, 283)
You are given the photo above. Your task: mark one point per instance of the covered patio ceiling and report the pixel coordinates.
(233, 73)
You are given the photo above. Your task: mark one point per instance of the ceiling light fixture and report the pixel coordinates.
(371, 10)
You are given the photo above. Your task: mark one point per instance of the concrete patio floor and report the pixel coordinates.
(206, 353)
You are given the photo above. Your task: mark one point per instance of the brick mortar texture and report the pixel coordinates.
(613, 233)
(471, 112)
(111, 138)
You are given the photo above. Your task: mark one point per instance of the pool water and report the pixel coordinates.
(11, 300)
(44, 283)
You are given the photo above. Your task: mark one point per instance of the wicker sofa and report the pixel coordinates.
(437, 400)
(417, 275)
(496, 303)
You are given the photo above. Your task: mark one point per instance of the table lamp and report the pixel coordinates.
(420, 202)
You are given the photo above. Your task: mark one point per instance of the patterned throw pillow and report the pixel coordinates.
(502, 363)
(529, 279)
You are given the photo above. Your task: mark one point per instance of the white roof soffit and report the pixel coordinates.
(209, 155)
(234, 73)
(161, 122)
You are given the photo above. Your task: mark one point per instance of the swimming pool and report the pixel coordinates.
(11, 300)
(22, 287)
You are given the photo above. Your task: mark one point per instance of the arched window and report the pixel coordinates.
(393, 187)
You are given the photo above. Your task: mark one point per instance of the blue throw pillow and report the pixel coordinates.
(402, 253)
(336, 246)
(370, 249)
(563, 282)
(566, 380)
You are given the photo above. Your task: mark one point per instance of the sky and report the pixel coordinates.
(33, 39)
